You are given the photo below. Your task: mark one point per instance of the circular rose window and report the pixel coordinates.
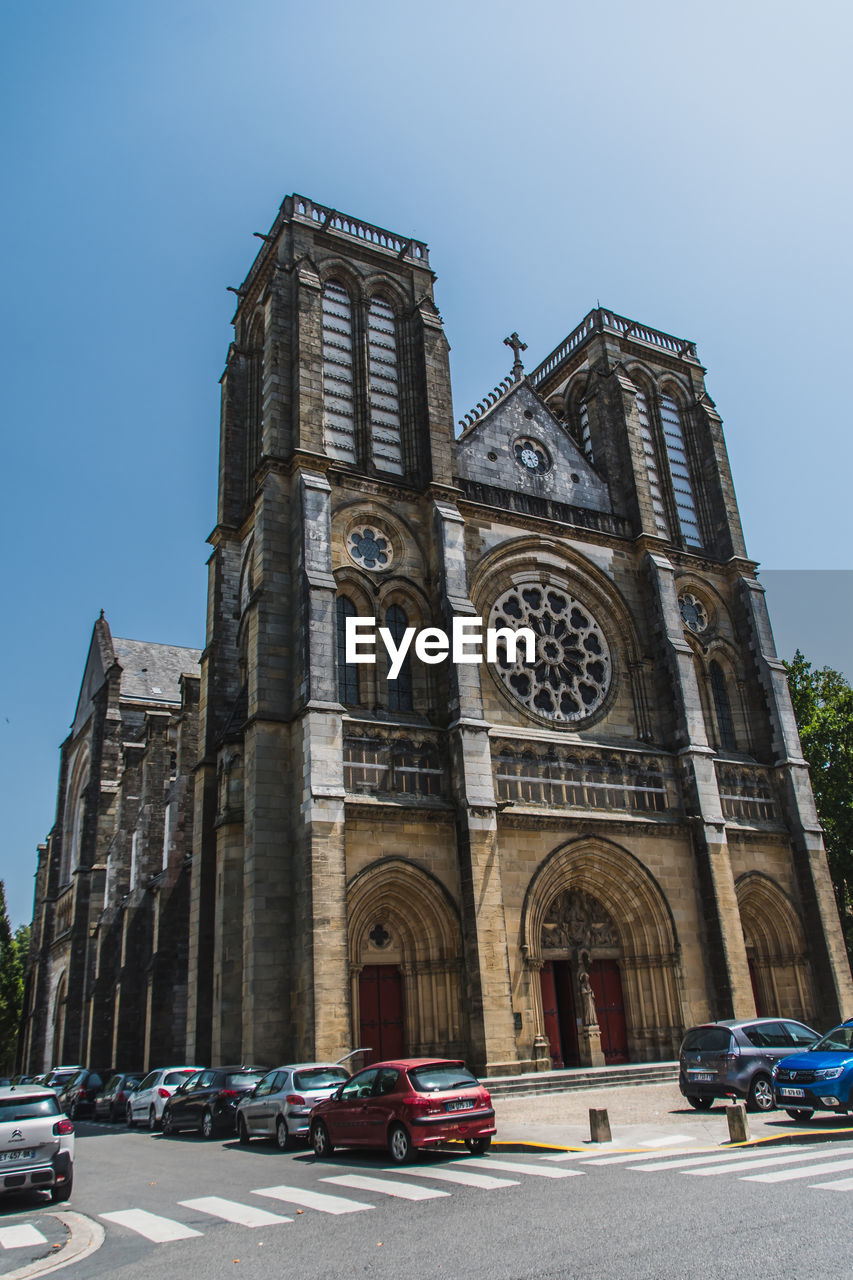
(570, 674)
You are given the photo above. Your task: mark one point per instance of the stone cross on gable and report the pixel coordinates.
(517, 346)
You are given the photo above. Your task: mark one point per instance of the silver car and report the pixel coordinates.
(36, 1142)
(280, 1105)
(145, 1105)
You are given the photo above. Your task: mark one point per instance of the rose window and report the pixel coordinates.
(570, 673)
(369, 548)
(531, 454)
(693, 613)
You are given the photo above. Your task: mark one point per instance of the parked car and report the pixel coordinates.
(821, 1079)
(280, 1105)
(111, 1102)
(77, 1097)
(145, 1105)
(207, 1101)
(734, 1059)
(405, 1105)
(36, 1142)
(59, 1077)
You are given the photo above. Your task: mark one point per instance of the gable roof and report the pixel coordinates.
(151, 672)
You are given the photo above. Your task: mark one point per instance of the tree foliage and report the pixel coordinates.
(13, 952)
(823, 707)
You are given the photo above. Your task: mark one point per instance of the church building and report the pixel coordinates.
(564, 856)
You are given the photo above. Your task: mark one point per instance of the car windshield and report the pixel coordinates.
(441, 1077)
(840, 1040)
(60, 1078)
(242, 1079)
(177, 1077)
(28, 1108)
(707, 1040)
(319, 1078)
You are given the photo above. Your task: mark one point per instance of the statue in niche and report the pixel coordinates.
(589, 1017)
(578, 921)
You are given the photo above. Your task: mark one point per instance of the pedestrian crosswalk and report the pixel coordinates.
(20, 1236)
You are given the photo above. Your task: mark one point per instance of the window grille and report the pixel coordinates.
(586, 439)
(338, 398)
(347, 671)
(652, 465)
(399, 690)
(722, 707)
(384, 389)
(680, 471)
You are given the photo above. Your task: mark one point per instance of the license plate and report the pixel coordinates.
(701, 1075)
(17, 1155)
(793, 1093)
(461, 1104)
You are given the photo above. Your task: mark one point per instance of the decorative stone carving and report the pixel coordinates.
(578, 922)
(570, 675)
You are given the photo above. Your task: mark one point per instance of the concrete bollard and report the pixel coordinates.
(599, 1126)
(738, 1123)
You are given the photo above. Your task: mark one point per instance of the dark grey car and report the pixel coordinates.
(734, 1059)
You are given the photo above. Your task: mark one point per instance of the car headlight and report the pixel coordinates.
(829, 1073)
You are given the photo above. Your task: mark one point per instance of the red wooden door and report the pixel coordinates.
(380, 1003)
(610, 1008)
(550, 1013)
(558, 1008)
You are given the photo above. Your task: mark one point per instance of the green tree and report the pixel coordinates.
(11, 985)
(823, 707)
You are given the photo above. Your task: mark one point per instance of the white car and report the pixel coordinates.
(36, 1142)
(145, 1105)
(280, 1105)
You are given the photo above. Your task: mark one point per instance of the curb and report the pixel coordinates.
(86, 1236)
(777, 1140)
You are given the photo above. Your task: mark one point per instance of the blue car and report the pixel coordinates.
(820, 1079)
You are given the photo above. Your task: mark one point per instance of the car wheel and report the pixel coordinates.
(760, 1097)
(400, 1145)
(152, 1119)
(478, 1145)
(282, 1134)
(59, 1194)
(701, 1104)
(128, 1115)
(800, 1113)
(207, 1125)
(242, 1131)
(168, 1124)
(320, 1140)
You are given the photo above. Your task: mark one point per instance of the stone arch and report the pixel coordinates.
(58, 1019)
(646, 945)
(414, 925)
(775, 949)
(75, 814)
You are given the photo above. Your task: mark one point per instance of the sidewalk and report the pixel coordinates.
(649, 1116)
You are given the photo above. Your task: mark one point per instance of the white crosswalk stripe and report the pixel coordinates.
(151, 1225)
(513, 1166)
(765, 1162)
(673, 1140)
(405, 1190)
(732, 1158)
(244, 1215)
(465, 1179)
(21, 1235)
(810, 1171)
(312, 1199)
(842, 1184)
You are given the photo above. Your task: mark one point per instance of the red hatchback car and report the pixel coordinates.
(404, 1105)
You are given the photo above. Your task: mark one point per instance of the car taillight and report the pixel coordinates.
(295, 1100)
(228, 1093)
(732, 1055)
(163, 1093)
(420, 1107)
(63, 1127)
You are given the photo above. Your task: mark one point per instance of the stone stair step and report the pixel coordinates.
(575, 1079)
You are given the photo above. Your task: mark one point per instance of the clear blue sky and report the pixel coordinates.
(687, 165)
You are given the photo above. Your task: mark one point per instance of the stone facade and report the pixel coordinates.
(470, 859)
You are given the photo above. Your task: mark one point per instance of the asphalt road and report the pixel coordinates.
(579, 1218)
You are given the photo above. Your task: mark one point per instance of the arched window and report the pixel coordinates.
(254, 403)
(722, 708)
(348, 691)
(679, 469)
(652, 469)
(338, 395)
(383, 387)
(399, 690)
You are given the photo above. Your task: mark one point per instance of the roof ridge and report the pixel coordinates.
(488, 402)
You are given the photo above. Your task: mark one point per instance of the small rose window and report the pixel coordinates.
(368, 548)
(694, 615)
(531, 455)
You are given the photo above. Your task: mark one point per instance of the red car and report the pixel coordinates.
(404, 1105)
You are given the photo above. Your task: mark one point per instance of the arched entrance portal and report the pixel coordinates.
(775, 949)
(405, 959)
(601, 954)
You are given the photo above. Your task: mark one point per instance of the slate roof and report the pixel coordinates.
(150, 672)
